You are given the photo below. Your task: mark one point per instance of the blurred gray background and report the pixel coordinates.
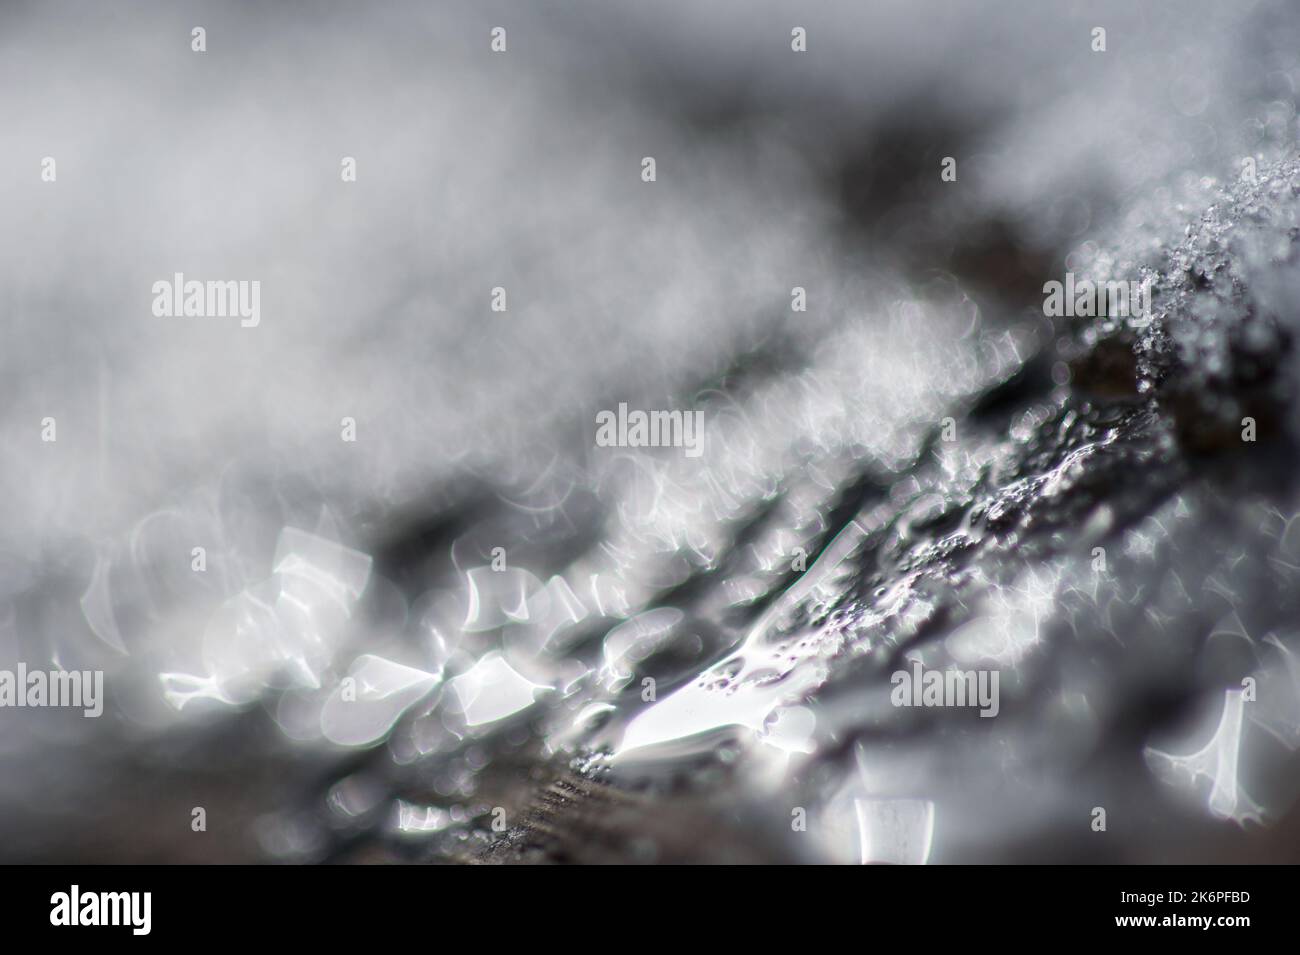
(775, 169)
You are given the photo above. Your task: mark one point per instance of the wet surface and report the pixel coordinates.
(1055, 535)
(485, 639)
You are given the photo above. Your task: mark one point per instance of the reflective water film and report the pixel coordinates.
(728, 432)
